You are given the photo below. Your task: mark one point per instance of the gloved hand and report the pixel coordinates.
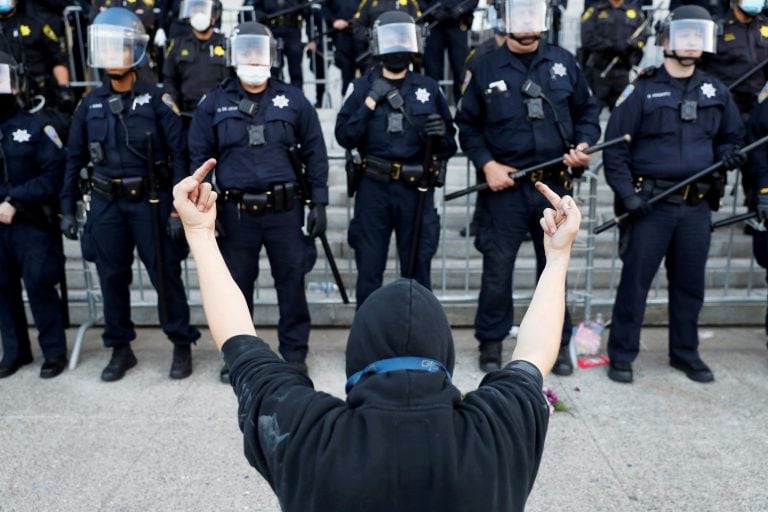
(175, 230)
(160, 38)
(434, 126)
(734, 159)
(762, 207)
(379, 90)
(65, 100)
(68, 226)
(316, 220)
(636, 206)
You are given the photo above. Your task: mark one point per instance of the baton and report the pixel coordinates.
(530, 170)
(678, 186)
(748, 74)
(733, 219)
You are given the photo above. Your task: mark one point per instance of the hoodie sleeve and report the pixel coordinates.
(277, 406)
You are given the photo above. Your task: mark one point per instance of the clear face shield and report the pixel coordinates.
(190, 8)
(9, 80)
(696, 35)
(396, 38)
(116, 47)
(523, 16)
(251, 50)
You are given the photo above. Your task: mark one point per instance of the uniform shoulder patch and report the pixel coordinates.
(51, 133)
(467, 80)
(763, 93)
(628, 90)
(168, 100)
(764, 31)
(587, 14)
(50, 34)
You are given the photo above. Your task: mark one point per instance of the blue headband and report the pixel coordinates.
(397, 364)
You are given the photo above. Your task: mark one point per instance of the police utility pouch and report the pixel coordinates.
(96, 152)
(132, 188)
(535, 108)
(254, 203)
(256, 135)
(688, 110)
(395, 122)
(104, 188)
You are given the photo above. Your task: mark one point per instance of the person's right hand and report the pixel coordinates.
(497, 175)
(560, 223)
(379, 90)
(340, 24)
(68, 226)
(195, 200)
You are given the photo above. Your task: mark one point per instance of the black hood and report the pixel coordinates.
(400, 319)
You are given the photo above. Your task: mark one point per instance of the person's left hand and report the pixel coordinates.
(576, 157)
(560, 223)
(316, 220)
(7, 211)
(311, 46)
(195, 200)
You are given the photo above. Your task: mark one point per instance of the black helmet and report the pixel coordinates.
(9, 75)
(251, 44)
(517, 16)
(189, 8)
(396, 32)
(689, 27)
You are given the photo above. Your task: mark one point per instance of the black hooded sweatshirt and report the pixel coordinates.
(404, 440)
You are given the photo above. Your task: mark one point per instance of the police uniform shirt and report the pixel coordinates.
(493, 120)
(252, 150)
(605, 29)
(740, 47)
(389, 134)
(145, 109)
(663, 145)
(33, 165)
(403, 440)
(31, 43)
(757, 128)
(193, 67)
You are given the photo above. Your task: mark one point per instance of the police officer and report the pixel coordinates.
(37, 49)
(612, 40)
(682, 121)
(742, 43)
(286, 28)
(368, 12)
(339, 14)
(453, 19)
(32, 161)
(258, 129)
(525, 103)
(112, 129)
(391, 117)
(195, 63)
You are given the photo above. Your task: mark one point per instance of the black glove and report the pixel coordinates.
(577, 172)
(734, 159)
(434, 126)
(65, 100)
(316, 220)
(762, 207)
(636, 206)
(68, 226)
(175, 230)
(379, 89)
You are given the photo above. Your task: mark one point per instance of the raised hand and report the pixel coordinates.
(195, 200)
(560, 223)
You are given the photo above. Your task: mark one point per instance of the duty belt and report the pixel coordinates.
(692, 193)
(278, 198)
(132, 188)
(558, 174)
(386, 171)
(287, 20)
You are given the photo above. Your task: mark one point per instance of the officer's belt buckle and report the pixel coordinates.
(396, 168)
(537, 175)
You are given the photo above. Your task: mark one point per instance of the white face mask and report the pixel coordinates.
(253, 75)
(200, 22)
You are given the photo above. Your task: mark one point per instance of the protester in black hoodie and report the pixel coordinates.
(405, 439)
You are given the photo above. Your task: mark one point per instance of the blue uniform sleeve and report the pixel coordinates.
(586, 111)
(626, 118)
(202, 138)
(50, 161)
(447, 146)
(77, 158)
(758, 157)
(470, 118)
(313, 152)
(172, 132)
(352, 122)
(275, 404)
(731, 132)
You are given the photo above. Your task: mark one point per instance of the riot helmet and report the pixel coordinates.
(7, 6)
(522, 16)
(117, 40)
(9, 75)
(689, 27)
(395, 38)
(252, 51)
(200, 13)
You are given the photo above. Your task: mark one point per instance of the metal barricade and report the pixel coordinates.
(75, 23)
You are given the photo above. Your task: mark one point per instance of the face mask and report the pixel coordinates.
(199, 22)
(396, 62)
(253, 75)
(751, 7)
(6, 6)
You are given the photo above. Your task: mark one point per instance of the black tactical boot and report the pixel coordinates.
(122, 360)
(181, 367)
(490, 355)
(563, 365)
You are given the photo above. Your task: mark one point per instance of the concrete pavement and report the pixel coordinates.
(147, 443)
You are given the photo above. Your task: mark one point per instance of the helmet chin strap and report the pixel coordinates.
(684, 61)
